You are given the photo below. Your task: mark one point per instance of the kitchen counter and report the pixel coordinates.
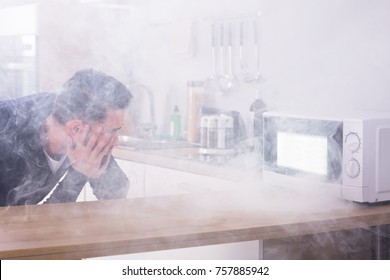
(244, 167)
(101, 228)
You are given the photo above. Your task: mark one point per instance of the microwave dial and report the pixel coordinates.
(352, 168)
(352, 141)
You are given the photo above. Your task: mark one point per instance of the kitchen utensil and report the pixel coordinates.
(229, 82)
(254, 77)
(212, 83)
(244, 69)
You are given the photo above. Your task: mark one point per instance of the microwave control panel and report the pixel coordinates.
(352, 142)
(352, 153)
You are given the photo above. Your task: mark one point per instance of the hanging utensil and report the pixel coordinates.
(212, 83)
(257, 76)
(244, 69)
(247, 75)
(222, 56)
(229, 82)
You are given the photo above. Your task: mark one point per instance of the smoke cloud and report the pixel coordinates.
(318, 54)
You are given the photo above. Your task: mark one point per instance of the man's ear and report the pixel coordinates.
(73, 127)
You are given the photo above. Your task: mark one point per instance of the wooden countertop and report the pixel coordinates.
(92, 229)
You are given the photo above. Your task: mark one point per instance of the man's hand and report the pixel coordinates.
(87, 149)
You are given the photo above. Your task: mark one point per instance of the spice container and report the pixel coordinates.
(217, 134)
(204, 131)
(212, 132)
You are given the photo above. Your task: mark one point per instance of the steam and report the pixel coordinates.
(317, 54)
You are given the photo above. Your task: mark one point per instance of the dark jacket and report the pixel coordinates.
(25, 175)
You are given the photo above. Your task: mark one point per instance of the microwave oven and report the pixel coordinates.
(351, 151)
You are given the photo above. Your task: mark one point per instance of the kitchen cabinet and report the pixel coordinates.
(352, 244)
(134, 171)
(166, 181)
(149, 180)
(249, 250)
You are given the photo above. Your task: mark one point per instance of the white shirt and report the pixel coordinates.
(54, 164)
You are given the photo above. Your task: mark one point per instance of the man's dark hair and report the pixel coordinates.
(88, 95)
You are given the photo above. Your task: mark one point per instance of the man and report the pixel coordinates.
(52, 145)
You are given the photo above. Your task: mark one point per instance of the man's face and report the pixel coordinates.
(111, 125)
(89, 146)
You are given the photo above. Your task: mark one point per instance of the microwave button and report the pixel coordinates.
(352, 141)
(352, 168)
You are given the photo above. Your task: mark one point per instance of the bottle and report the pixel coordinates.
(175, 123)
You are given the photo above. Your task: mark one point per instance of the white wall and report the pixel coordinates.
(329, 53)
(315, 53)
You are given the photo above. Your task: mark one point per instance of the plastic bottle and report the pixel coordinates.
(175, 123)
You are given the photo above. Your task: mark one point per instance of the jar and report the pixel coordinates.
(195, 102)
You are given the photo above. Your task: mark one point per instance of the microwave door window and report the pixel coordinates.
(303, 147)
(302, 152)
